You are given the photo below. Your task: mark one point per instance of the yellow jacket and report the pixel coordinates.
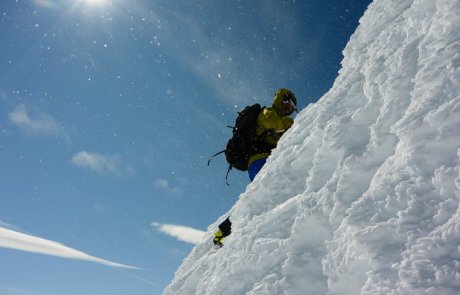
(271, 118)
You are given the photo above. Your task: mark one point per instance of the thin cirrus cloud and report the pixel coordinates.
(101, 164)
(182, 233)
(24, 242)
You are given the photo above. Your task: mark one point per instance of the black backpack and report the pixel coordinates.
(244, 142)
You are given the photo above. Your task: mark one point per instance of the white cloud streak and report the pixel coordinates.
(16, 291)
(182, 233)
(164, 184)
(101, 164)
(37, 123)
(20, 241)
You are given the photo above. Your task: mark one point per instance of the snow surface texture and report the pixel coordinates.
(362, 194)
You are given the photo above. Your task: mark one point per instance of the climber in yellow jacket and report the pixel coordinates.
(272, 122)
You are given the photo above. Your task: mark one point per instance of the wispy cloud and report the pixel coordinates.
(101, 164)
(15, 291)
(35, 122)
(236, 70)
(182, 233)
(7, 225)
(164, 184)
(45, 3)
(20, 241)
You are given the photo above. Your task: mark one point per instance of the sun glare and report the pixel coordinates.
(96, 2)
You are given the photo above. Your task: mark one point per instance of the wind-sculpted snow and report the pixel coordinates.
(362, 194)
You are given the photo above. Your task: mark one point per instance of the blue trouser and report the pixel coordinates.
(255, 167)
(226, 225)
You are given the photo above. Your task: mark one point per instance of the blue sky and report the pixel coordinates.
(109, 111)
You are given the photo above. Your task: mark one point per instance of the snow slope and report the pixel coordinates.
(362, 194)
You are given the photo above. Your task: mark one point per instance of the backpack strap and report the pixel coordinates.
(216, 154)
(229, 166)
(228, 171)
(222, 151)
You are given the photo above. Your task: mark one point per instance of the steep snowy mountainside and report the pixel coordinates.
(362, 194)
